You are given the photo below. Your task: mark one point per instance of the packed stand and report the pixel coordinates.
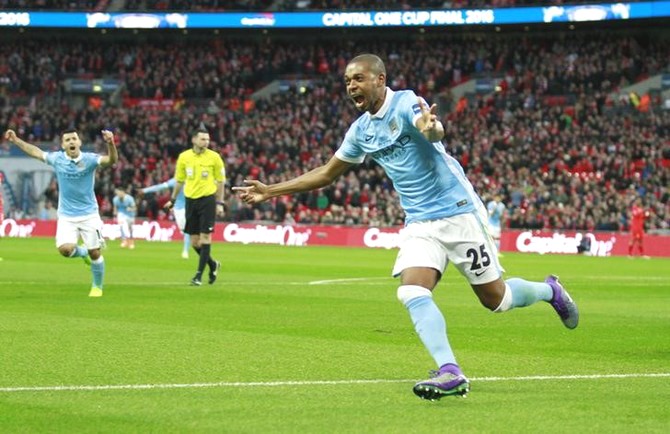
(551, 174)
(556, 168)
(221, 67)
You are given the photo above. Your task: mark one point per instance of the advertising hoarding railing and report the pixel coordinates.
(538, 242)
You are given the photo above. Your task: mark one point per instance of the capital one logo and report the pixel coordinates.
(147, 230)
(11, 228)
(560, 243)
(259, 234)
(373, 237)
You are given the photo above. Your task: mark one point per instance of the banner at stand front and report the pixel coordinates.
(539, 242)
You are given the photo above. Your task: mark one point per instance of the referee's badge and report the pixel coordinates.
(204, 174)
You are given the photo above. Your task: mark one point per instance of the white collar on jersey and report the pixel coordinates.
(75, 160)
(387, 103)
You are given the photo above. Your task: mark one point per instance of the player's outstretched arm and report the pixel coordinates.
(428, 124)
(178, 186)
(30, 150)
(255, 191)
(112, 155)
(156, 188)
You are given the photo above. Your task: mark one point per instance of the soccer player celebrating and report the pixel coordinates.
(445, 219)
(78, 215)
(637, 217)
(178, 209)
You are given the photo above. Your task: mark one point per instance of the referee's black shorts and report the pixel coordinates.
(200, 215)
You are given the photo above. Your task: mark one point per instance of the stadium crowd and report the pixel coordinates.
(551, 140)
(224, 68)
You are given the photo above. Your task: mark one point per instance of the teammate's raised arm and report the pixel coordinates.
(112, 154)
(29, 149)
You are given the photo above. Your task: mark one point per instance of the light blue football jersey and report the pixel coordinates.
(76, 179)
(180, 201)
(496, 210)
(125, 206)
(430, 183)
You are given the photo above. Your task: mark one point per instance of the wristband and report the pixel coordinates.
(219, 203)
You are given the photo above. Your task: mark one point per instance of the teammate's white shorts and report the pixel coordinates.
(495, 231)
(89, 228)
(462, 240)
(125, 220)
(180, 218)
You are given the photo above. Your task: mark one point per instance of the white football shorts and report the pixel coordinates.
(462, 239)
(89, 228)
(125, 220)
(180, 218)
(495, 231)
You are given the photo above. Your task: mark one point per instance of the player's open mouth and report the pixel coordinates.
(358, 99)
(72, 148)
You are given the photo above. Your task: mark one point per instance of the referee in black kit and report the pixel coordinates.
(202, 175)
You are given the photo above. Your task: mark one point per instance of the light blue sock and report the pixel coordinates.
(431, 327)
(525, 293)
(98, 271)
(187, 242)
(79, 252)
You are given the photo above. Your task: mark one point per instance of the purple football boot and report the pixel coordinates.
(449, 380)
(562, 303)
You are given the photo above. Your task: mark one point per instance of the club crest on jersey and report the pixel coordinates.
(393, 126)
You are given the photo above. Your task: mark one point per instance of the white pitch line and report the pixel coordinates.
(314, 383)
(347, 280)
(365, 280)
(657, 281)
(175, 283)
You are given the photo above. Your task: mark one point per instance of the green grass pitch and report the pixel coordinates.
(313, 340)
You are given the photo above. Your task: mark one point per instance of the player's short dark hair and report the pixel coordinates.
(375, 62)
(68, 131)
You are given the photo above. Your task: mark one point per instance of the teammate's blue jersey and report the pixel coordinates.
(430, 183)
(496, 210)
(180, 201)
(76, 179)
(125, 206)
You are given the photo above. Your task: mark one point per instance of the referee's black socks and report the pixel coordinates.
(209, 261)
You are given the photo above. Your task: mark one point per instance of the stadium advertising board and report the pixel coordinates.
(440, 17)
(539, 242)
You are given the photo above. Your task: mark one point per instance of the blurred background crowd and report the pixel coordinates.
(555, 134)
